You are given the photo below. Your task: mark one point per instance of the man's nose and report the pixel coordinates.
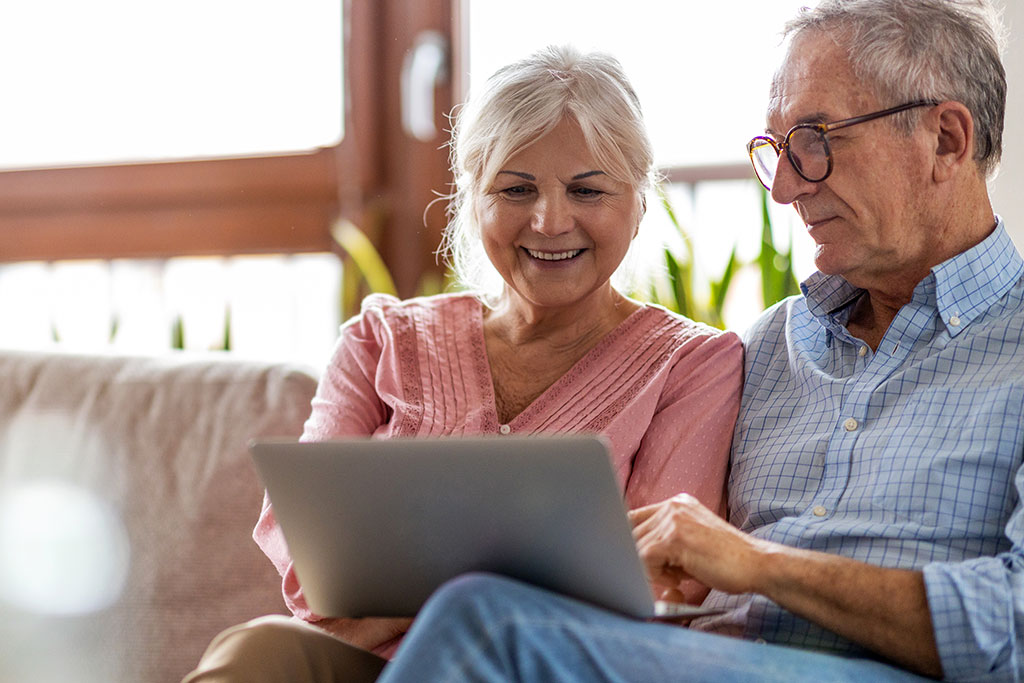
(789, 185)
(552, 216)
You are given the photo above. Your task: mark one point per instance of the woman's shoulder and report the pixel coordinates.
(387, 306)
(694, 349)
(662, 321)
(384, 317)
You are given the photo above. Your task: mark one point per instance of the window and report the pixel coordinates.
(100, 196)
(142, 80)
(701, 70)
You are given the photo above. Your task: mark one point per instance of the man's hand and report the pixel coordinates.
(886, 610)
(679, 538)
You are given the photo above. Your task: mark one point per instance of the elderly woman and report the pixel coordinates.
(552, 163)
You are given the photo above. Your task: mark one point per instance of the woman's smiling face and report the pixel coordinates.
(554, 224)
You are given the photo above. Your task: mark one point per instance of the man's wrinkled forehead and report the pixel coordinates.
(814, 83)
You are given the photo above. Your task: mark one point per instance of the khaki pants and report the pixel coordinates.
(278, 648)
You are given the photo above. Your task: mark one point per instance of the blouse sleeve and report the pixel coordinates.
(686, 447)
(347, 403)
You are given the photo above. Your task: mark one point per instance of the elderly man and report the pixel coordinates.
(876, 479)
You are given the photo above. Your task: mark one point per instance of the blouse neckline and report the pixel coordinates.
(541, 405)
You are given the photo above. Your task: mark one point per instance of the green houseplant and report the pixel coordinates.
(678, 289)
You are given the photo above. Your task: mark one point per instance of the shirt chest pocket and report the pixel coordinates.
(946, 458)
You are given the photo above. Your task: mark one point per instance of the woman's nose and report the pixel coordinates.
(552, 216)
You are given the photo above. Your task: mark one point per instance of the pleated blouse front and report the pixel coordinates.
(662, 389)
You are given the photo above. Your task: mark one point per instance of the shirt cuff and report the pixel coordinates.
(973, 618)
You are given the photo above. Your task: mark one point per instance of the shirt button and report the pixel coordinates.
(850, 424)
(505, 429)
(819, 511)
(862, 351)
(954, 320)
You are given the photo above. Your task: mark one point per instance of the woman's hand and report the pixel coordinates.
(367, 633)
(679, 539)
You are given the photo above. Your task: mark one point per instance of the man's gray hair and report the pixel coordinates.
(909, 50)
(519, 104)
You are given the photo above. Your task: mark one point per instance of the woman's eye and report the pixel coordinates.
(515, 191)
(587, 192)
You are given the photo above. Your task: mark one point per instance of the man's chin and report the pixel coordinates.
(827, 261)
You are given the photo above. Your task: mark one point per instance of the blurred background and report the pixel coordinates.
(232, 176)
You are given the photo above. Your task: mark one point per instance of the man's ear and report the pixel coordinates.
(953, 126)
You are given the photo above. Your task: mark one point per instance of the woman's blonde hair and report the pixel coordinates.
(519, 104)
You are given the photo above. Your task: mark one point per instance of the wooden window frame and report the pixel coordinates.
(377, 176)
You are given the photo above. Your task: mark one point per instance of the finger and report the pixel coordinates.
(652, 517)
(666, 582)
(672, 594)
(669, 577)
(659, 527)
(642, 514)
(640, 530)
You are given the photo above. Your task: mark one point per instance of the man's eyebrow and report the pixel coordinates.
(816, 117)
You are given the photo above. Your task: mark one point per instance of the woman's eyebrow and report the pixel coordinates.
(527, 176)
(520, 174)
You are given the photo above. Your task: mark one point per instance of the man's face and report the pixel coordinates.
(867, 217)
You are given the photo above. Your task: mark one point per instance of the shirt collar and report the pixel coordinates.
(963, 286)
(967, 284)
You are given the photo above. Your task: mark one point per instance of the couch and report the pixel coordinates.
(138, 467)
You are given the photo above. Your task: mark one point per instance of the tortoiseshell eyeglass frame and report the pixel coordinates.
(820, 129)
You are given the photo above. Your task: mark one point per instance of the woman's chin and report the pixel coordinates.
(554, 296)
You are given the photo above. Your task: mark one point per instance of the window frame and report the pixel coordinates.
(377, 176)
(286, 203)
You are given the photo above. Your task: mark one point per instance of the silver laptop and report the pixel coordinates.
(375, 526)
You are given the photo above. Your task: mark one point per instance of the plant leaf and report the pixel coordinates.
(365, 257)
(720, 288)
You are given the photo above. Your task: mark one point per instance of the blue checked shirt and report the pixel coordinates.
(909, 456)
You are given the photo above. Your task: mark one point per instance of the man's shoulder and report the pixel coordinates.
(790, 313)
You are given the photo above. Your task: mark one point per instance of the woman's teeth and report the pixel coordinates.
(554, 256)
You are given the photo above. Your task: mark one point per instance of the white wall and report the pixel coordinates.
(1008, 187)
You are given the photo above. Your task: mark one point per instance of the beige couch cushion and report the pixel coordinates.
(163, 442)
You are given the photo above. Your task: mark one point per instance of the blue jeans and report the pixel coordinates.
(487, 628)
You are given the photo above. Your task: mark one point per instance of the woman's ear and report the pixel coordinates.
(953, 126)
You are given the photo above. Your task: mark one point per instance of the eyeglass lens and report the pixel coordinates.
(807, 152)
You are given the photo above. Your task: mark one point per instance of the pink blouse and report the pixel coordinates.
(662, 389)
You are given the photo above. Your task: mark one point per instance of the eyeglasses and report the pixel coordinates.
(807, 148)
